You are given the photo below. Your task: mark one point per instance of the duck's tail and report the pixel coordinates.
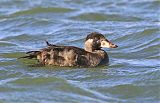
(31, 55)
(48, 44)
(34, 54)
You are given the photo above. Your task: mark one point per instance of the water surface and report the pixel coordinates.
(133, 74)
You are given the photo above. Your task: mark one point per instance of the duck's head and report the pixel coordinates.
(96, 41)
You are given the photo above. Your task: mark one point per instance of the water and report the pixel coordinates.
(132, 76)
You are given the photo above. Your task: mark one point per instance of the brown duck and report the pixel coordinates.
(92, 55)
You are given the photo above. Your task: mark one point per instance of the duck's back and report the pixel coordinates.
(65, 56)
(61, 56)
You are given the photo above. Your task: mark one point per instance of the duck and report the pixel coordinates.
(69, 56)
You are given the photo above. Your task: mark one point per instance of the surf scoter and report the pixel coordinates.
(92, 55)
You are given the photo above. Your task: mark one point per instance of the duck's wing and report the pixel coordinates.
(57, 55)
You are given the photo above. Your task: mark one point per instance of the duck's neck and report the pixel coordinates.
(88, 46)
(99, 52)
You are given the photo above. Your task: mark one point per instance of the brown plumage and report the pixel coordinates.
(91, 56)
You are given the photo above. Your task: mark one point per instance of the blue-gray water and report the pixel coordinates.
(133, 75)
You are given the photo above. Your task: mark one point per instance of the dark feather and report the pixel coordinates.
(31, 54)
(48, 44)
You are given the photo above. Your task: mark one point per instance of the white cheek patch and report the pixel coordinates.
(105, 44)
(89, 41)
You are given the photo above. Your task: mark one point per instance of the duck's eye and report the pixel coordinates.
(98, 41)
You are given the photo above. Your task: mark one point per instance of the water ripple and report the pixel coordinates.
(104, 17)
(133, 73)
(42, 10)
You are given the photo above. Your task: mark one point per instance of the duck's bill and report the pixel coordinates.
(108, 44)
